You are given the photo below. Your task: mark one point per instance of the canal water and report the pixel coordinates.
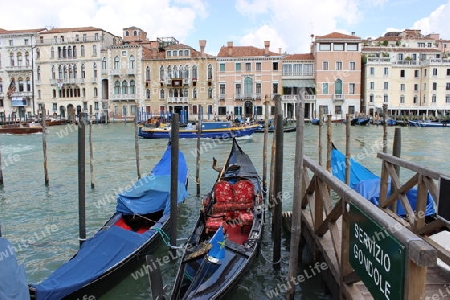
(42, 222)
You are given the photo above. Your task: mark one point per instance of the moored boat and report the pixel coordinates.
(18, 128)
(119, 247)
(227, 234)
(213, 130)
(427, 124)
(261, 129)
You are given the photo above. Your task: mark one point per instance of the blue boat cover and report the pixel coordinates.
(13, 282)
(113, 244)
(367, 184)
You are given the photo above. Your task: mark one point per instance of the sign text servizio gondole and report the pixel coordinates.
(376, 256)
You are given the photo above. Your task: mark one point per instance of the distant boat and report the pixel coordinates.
(360, 121)
(315, 121)
(427, 124)
(119, 247)
(272, 129)
(213, 130)
(18, 128)
(227, 235)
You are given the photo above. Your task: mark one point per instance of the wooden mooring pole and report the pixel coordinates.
(266, 135)
(44, 146)
(1, 168)
(91, 149)
(136, 147)
(396, 151)
(199, 135)
(329, 143)
(175, 148)
(320, 135)
(347, 149)
(81, 177)
(296, 227)
(278, 192)
(385, 133)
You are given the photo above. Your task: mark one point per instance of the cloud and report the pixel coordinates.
(436, 22)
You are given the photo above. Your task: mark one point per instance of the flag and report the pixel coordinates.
(217, 250)
(12, 87)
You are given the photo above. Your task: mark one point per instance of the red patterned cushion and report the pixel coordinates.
(223, 191)
(243, 191)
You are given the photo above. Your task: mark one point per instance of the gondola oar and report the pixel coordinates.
(155, 278)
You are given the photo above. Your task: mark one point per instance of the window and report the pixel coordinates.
(248, 66)
(372, 71)
(339, 65)
(147, 74)
(324, 109)
(371, 98)
(222, 67)
(386, 71)
(352, 88)
(238, 90)
(325, 88)
(132, 87)
(372, 85)
(386, 85)
(104, 66)
(117, 88)
(433, 98)
(402, 73)
(386, 98)
(95, 92)
(324, 65)
(11, 43)
(238, 67)
(352, 65)
(210, 93)
(447, 98)
(325, 47)
(402, 87)
(435, 71)
(352, 47)
(81, 51)
(194, 72)
(275, 66)
(434, 86)
(447, 86)
(448, 72)
(210, 72)
(416, 73)
(402, 99)
(95, 70)
(94, 50)
(275, 88)
(131, 62)
(96, 105)
(116, 62)
(194, 93)
(338, 110)
(161, 94)
(258, 66)
(124, 87)
(338, 47)
(415, 99)
(416, 87)
(222, 91)
(425, 73)
(351, 109)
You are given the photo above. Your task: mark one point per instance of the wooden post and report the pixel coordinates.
(278, 191)
(396, 150)
(329, 143)
(1, 169)
(320, 135)
(81, 178)
(272, 196)
(44, 146)
(347, 150)
(155, 278)
(91, 148)
(384, 128)
(136, 147)
(296, 227)
(175, 138)
(199, 135)
(266, 134)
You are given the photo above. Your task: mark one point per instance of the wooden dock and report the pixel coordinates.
(343, 229)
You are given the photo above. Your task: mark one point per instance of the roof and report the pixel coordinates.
(34, 30)
(301, 56)
(77, 29)
(337, 35)
(149, 53)
(244, 51)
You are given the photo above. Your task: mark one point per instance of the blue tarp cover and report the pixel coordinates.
(367, 184)
(13, 282)
(110, 246)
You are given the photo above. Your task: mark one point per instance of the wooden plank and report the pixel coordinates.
(442, 253)
(430, 227)
(402, 190)
(415, 281)
(306, 183)
(332, 217)
(318, 205)
(432, 187)
(421, 203)
(334, 231)
(383, 184)
(410, 165)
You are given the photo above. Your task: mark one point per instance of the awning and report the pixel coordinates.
(300, 83)
(18, 101)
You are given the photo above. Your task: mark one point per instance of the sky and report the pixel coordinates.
(287, 24)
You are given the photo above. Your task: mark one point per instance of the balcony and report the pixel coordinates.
(338, 97)
(122, 97)
(177, 100)
(131, 71)
(18, 68)
(115, 72)
(247, 96)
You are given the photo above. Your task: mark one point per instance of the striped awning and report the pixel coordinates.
(300, 83)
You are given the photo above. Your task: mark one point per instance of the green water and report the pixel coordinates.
(42, 222)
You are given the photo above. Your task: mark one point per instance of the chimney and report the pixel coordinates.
(353, 33)
(266, 47)
(230, 48)
(279, 50)
(202, 46)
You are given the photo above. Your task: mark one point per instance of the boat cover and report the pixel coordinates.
(112, 245)
(367, 184)
(13, 282)
(239, 163)
(152, 193)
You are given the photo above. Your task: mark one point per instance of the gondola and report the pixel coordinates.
(119, 247)
(272, 129)
(227, 234)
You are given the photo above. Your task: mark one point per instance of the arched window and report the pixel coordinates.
(74, 51)
(117, 87)
(194, 93)
(60, 72)
(161, 94)
(124, 87)
(70, 71)
(116, 63)
(11, 59)
(209, 72)
(38, 53)
(175, 72)
(94, 50)
(104, 65)
(186, 71)
(209, 93)
(52, 52)
(20, 81)
(28, 84)
(180, 53)
(27, 59)
(132, 87)
(135, 33)
(82, 51)
(83, 71)
(95, 92)
(131, 62)
(169, 72)
(161, 73)
(19, 59)
(74, 71)
(127, 33)
(70, 52)
(248, 87)
(186, 52)
(147, 73)
(95, 70)
(38, 73)
(338, 87)
(171, 93)
(194, 72)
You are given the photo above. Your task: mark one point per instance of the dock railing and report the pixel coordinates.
(331, 220)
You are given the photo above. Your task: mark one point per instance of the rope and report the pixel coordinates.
(164, 236)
